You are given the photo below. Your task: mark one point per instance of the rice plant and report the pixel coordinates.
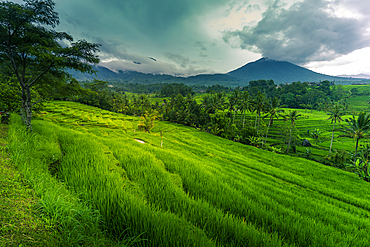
(202, 190)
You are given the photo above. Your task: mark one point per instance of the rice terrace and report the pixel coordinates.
(197, 189)
(137, 141)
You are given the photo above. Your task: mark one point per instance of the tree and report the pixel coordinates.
(336, 112)
(292, 117)
(147, 121)
(259, 105)
(357, 128)
(10, 97)
(236, 99)
(246, 105)
(274, 111)
(31, 50)
(143, 100)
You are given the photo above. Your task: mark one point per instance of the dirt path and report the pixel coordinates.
(20, 223)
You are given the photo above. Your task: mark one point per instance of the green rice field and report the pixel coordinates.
(198, 189)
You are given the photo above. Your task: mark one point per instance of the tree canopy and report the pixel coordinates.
(30, 48)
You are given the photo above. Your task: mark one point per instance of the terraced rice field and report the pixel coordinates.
(198, 189)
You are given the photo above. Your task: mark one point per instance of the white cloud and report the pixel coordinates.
(356, 62)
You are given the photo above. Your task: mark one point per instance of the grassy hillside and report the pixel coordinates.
(197, 189)
(20, 221)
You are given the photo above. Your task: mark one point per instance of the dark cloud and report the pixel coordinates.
(306, 31)
(178, 58)
(202, 48)
(152, 17)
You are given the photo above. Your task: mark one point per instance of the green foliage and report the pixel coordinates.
(208, 191)
(358, 128)
(362, 169)
(36, 155)
(32, 51)
(292, 116)
(308, 152)
(316, 134)
(147, 121)
(275, 149)
(169, 90)
(10, 98)
(336, 112)
(255, 141)
(18, 215)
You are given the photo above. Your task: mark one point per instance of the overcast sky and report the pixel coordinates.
(187, 37)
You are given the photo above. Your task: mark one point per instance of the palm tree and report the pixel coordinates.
(246, 104)
(274, 110)
(134, 104)
(259, 105)
(292, 117)
(143, 100)
(358, 128)
(234, 100)
(336, 112)
(147, 121)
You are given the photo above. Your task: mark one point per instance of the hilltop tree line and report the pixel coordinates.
(217, 111)
(295, 95)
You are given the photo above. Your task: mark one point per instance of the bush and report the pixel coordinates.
(247, 132)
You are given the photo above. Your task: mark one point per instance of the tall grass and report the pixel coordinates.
(35, 155)
(202, 190)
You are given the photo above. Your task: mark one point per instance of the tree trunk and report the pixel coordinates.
(332, 137)
(259, 119)
(234, 116)
(356, 148)
(290, 138)
(255, 122)
(26, 108)
(244, 118)
(268, 127)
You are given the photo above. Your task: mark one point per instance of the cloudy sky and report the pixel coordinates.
(187, 37)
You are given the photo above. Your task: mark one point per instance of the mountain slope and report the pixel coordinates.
(280, 72)
(104, 73)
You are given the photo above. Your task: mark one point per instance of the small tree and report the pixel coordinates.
(274, 111)
(259, 105)
(292, 117)
(30, 50)
(336, 112)
(147, 121)
(357, 128)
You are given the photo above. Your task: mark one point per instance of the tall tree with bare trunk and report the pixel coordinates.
(31, 49)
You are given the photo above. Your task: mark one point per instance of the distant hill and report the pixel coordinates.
(264, 68)
(359, 76)
(104, 73)
(280, 72)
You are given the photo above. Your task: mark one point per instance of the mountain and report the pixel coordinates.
(280, 72)
(264, 68)
(104, 73)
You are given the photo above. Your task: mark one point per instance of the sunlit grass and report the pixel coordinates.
(202, 190)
